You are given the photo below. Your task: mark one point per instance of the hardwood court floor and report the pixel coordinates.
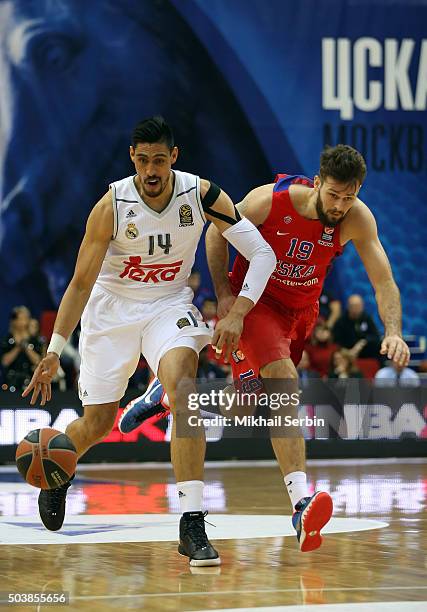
(385, 564)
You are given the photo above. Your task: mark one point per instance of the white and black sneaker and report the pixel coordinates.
(193, 541)
(52, 506)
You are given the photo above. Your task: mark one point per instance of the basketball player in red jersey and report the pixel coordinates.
(307, 223)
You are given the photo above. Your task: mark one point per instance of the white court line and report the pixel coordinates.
(159, 465)
(237, 592)
(97, 529)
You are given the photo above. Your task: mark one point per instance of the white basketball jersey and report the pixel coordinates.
(151, 254)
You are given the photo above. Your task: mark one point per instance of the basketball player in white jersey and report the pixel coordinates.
(130, 290)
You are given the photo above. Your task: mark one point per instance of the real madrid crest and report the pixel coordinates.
(131, 231)
(185, 215)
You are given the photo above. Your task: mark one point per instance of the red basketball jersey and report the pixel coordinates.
(304, 249)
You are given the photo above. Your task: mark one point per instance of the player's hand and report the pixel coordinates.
(227, 335)
(396, 349)
(225, 304)
(40, 383)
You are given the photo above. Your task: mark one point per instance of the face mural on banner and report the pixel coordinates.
(251, 89)
(76, 77)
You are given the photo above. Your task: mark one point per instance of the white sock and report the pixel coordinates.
(190, 495)
(296, 484)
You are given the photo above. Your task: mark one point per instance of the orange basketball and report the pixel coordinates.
(46, 458)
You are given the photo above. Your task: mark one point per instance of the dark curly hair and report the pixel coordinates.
(342, 163)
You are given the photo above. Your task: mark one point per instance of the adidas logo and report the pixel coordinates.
(181, 494)
(130, 214)
(85, 393)
(245, 287)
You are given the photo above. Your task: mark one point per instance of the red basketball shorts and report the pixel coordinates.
(271, 332)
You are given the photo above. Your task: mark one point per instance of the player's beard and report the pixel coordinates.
(323, 217)
(155, 193)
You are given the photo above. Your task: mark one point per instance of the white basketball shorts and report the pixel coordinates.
(116, 330)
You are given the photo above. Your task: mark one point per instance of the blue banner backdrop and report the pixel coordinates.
(250, 88)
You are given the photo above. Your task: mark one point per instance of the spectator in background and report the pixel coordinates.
(20, 351)
(395, 375)
(70, 359)
(305, 370)
(200, 293)
(342, 365)
(356, 330)
(329, 309)
(208, 311)
(320, 349)
(34, 331)
(208, 370)
(422, 369)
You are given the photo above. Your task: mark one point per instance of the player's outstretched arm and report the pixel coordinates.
(365, 238)
(99, 230)
(244, 236)
(255, 207)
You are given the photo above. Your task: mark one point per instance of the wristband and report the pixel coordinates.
(56, 344)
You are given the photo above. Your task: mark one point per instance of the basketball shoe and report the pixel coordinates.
(193, 541)
(310, 516)
(52, 506)
(143, 407)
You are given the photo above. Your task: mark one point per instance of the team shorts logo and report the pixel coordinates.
(287, 219)
(185, 215)
(183, 322)
(149, 273)
(82, 392)
(237, 356)
(131, 231)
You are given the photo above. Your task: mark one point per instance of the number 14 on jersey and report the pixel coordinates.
(163, 241)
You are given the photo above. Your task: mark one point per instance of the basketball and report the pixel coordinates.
(46, 458)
